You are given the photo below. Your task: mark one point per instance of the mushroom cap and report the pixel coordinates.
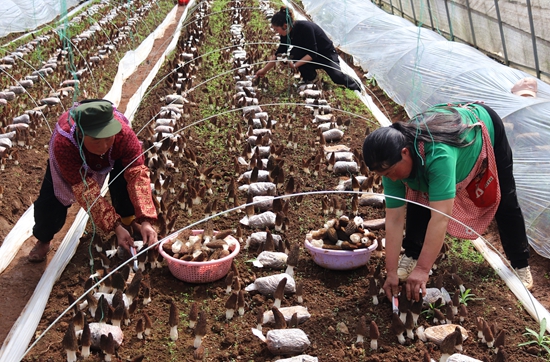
(374, 333)
(280, 291)
(293, 255)
(139, 326)
(397, 325)
(448, 344)
(500, 339)
(409, 320)
(194, 312)
(69, 339)
(147, 321)
(231, 302)
(200, 329)
(229, 279)
(240, 299)
(174, 318)
(280, 322)
(86, 337)
(299, 288)
(487, 333)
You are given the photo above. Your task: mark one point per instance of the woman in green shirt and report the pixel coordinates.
(449, 158)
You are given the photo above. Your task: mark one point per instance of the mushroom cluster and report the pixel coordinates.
(343, 233)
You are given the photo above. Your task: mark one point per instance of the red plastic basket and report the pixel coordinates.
(203, 271)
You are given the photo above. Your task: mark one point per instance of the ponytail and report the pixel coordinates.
(282, 17)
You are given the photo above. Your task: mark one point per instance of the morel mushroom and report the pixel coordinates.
(458, 340)
(398, 328)
(280, 322)
(361, 329)
(228, 282)
(231, 306)
(140, 329)
(449, 315)
(118, 314)
(459, 283)
(198, 355)
(259, 318)
(373, 290)
(447, 346)
(107, 345)
(403, 306)
(438, 317)
(240, 302)
(193, 314)
(292, 261)
(300, 292)
(479, 325)
(279, 293)
(462, 313)
(78, 321)
(409, 324)
(500, 340)
(416, 309)
(488, 335)
(374, 334)
(146, 294)
(173, 321)
(456, 302)
(86, 340)
(147, 324)
(200, 330)
(70, 343)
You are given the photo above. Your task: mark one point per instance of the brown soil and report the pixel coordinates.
(331, 297)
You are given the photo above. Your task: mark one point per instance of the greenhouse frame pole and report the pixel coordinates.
(471, 23)
(391, 7)
(430, 14)
(533, 37)
(401, 9)
(502, 39)
(449, 20)
(414, 13)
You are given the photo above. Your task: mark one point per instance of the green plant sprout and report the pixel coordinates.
(540, 338)
(467, 296)
(430, 311)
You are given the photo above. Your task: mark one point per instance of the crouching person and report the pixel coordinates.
(90, 141)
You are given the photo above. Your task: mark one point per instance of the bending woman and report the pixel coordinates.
(456, 159)
(312, 50)
(90, 141)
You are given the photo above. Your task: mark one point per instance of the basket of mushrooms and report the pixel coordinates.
(200, 258)
(341, 244)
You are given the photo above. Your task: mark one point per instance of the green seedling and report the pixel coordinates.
(540, 339)
(467, 296)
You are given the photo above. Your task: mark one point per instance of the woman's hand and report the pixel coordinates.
(261, 73)
(416, 283)
(148, 233)
(391, 285)
(124, 238)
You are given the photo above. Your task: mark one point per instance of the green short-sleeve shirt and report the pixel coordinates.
(444, 166)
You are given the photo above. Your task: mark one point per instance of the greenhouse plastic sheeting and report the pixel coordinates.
(17, 16)
(419, 68)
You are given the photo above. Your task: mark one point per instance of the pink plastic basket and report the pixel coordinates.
(200, 272)
(340, 259)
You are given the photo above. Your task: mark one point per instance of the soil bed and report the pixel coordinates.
(332, 297)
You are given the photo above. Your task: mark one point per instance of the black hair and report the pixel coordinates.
(282, 17)
(382, 148)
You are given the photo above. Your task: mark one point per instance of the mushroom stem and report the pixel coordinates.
(174, 333)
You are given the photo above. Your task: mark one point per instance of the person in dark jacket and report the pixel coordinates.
(311, 50)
